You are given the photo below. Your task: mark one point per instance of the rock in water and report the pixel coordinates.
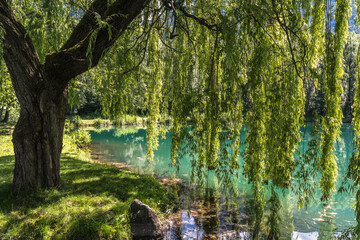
(145, 224)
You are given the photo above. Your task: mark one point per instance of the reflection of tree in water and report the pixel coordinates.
(286, 219)
(344, 148)
(252, 216)
(273, 220)
(326, 229)
(258, 206)
(125, 131)
(211, 221)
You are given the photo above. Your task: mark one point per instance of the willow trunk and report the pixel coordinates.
(37, 142)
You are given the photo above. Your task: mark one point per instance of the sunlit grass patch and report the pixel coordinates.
(6, 147)
(86, 180)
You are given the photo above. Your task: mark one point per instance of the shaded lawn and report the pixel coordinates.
(92, 202)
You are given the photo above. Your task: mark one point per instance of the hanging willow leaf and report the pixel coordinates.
(332, 120)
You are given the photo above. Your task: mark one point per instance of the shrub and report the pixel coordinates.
(101, 123)
(80, 137)
(76, 121)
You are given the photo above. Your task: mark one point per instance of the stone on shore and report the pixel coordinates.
(145, 224)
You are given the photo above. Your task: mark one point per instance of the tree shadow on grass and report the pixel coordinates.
(79, 177)
(6, 174)
(6, 167)
(89, 200)
(102, 179)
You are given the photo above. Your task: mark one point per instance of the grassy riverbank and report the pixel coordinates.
(99, 121)
(92, 202)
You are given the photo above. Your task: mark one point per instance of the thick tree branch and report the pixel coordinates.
(20, 55)
(73, 58)
(87, 24)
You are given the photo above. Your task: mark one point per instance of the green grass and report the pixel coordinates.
(92, 202)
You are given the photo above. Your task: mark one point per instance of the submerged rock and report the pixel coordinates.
(145, 224)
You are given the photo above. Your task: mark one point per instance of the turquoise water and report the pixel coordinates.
(206, 212)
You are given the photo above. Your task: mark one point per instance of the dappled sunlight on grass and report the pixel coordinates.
(95, 179)
(91, 203)
(86, 180)
(80, 216)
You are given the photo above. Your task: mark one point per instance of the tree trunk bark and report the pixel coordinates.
(1, 113)
(6, 118)
(38, 142)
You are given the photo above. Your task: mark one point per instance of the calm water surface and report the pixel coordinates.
(207, 213)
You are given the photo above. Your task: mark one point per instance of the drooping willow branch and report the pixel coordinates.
(171, 4)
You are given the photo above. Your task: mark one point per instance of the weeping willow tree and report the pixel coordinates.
(213, 67)
(233, 64)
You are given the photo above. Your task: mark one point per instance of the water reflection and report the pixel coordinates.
(255, 212)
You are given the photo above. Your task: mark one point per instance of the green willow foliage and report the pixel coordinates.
(333, 72)
(215, 66)
(317, 30)
(274, 218)
(307, 166)
(48, 22)
(7, 93)
(154, 74)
